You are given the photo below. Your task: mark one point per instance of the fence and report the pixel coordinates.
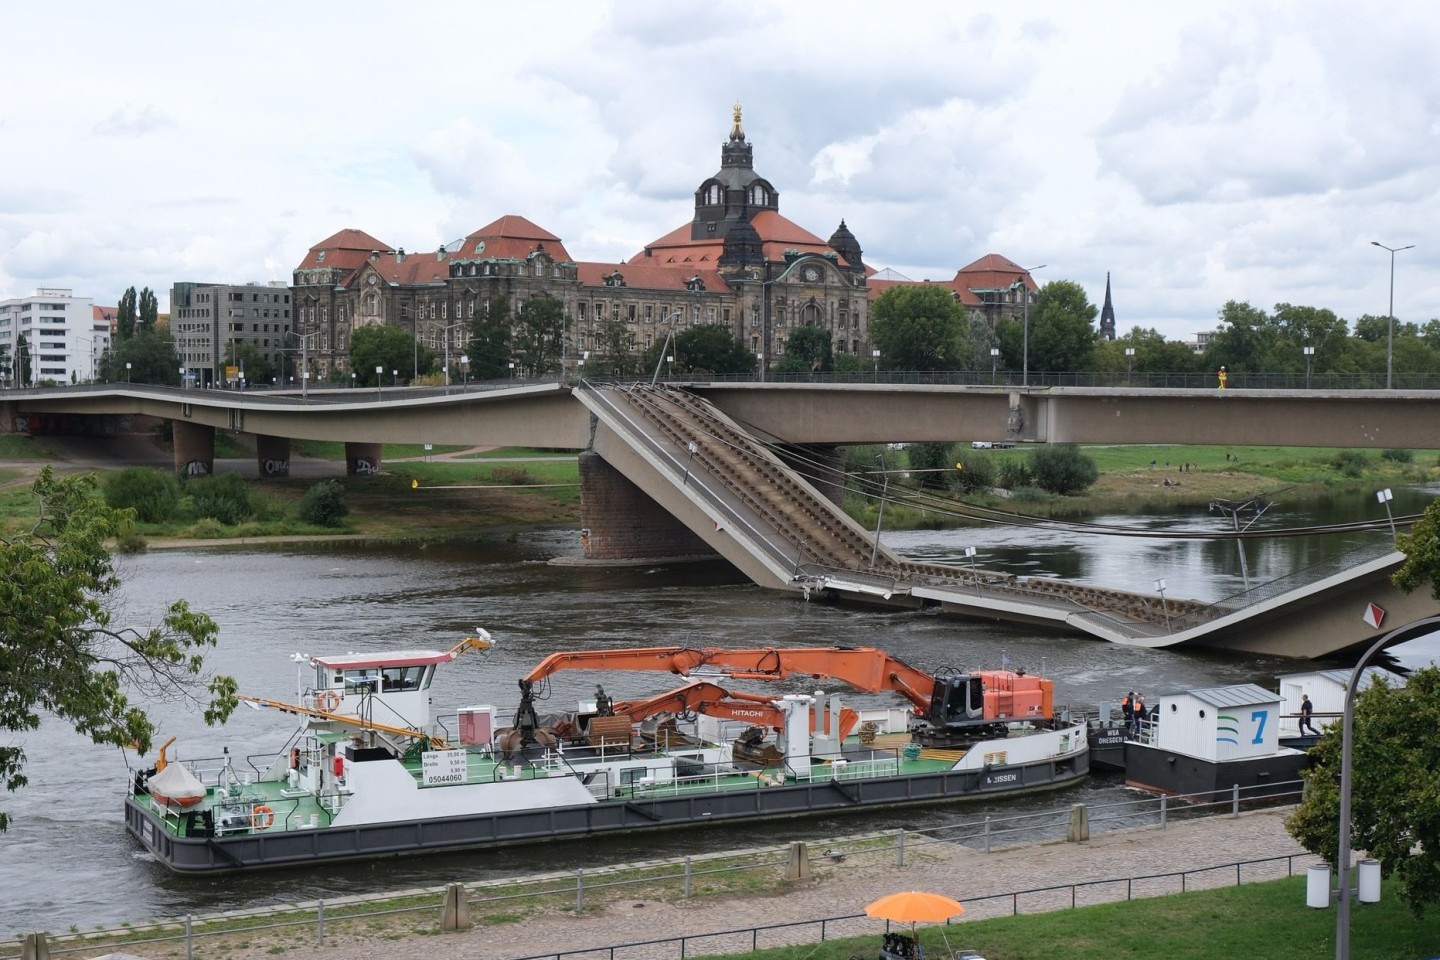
(420, 909)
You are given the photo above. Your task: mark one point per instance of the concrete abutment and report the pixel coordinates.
(194, 448)
(362, 459)
(620, 522)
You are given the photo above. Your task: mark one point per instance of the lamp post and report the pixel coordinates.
(1390, 335)
(875, 355)
(510, 364)
(305, 339)
(447, 349)
(1309, 352)
(1160, 589)
(127, 371)
(1129, 362)
(994, 358)
(352, 379)
(884, 492)
(970, 558)
(394, 378)
(465, 371)
(1385, 496)
(379, 379)
(182, 378)
(669, 366)
(1025, 323)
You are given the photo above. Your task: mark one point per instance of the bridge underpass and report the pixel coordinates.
(732, 495)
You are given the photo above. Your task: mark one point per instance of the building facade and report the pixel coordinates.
(737, 262)
(216, 325)
(57, 332)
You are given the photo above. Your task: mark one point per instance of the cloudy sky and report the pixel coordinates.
(1199, 152)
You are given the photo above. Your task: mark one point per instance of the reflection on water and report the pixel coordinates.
(339, 598)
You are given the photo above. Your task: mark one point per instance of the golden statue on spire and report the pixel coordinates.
(737, 132)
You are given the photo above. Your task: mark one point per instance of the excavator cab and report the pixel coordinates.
(957, 701)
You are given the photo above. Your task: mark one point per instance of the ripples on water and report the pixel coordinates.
(328, 599)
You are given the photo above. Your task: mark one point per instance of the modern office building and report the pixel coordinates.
(54, 331)
(216, 326)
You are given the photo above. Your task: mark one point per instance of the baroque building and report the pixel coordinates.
(738, 262)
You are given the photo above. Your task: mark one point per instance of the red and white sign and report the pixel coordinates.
(1374, 615)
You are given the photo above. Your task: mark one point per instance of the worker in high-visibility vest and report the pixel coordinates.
(1222, 377)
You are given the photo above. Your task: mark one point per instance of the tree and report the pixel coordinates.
(61, 652)
(1062, 327)
(147, 310)
(125, 315)
(490, 340)
(1061, 468)
(712, 348)
(246, 355)
(808, 350)
(931, 463)
(150, 351)
(919, 327)
(614, 353)
(22, 361)
(390, 348)
(1421, 547)
(540, 335)
(1395, 776)
(1243, 340)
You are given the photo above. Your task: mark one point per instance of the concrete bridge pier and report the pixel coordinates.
(822, 466)
(194, 448)
(362, 459)
(619, 521)
(272, 456)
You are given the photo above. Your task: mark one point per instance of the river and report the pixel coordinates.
(272, 602)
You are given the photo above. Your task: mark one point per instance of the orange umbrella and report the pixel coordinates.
(914, 906)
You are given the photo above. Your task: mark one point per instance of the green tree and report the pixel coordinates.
(324, 504)
(151, 355)
(1421, 547)
(808, 350)
(931, 463)
(390, 348)
(614, 354)
(1062, 327)
(1061, 468)
(712, 348)
(152, 494)
(919, 327)
(246, 355)
(490, 340)
(147, 309)
(125, 315)
(62, 653)
(22, 361)
(1244, 341)
(540, 336)
(1395, 776)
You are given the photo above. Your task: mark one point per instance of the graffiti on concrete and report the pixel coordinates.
(275, 467)
(364, 468)
(197, 468)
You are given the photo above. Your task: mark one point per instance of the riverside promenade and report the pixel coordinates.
(843, 888)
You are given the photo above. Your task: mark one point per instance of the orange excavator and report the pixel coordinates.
(952, 706)
(704, 697)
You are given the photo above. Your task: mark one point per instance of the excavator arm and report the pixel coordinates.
(716, 701)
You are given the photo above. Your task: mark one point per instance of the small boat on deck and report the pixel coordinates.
(369, 775)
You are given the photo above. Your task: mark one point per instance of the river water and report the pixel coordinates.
(68, 861)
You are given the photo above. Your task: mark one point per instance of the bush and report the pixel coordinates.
(1352, 463)
(1063, 469)
(1014, 473)
(977, 472)
(512, 476)
(223, 498)
(207, 529)
(324, 504)
(152, 494)
(931, 463)
(1398, 456)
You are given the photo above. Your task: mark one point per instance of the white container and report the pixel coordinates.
(1317, 886)
(1369, 881)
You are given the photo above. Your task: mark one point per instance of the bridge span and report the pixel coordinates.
(749, 472)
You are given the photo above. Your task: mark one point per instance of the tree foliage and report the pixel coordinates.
(919, 327)
(126, 314)
(152, 494)
(1061, 468)
(1421, 547)
(539, 336)
(386, 347)
(147, 309)
(614, 353)
(712, 348)
(931, 464)
(1395, 778)
(490, 340)
(324, 504)
(150, 351)
(61, 652)
(1062, 327)
(808, 350)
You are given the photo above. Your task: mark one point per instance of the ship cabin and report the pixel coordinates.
(1326, 690)
(390, 688)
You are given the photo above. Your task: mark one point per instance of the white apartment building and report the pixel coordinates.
(212, 322)
(59, 334)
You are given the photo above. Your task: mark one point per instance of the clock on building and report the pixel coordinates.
(373, 278)
(810, 274)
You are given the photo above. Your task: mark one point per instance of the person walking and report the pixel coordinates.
(1307, 713)
(1222, 377)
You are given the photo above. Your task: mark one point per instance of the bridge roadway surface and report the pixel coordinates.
(706, 454)
(843, 889)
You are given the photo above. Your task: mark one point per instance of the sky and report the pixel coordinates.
(1198, 152)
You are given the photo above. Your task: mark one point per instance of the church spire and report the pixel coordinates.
(1107, 313)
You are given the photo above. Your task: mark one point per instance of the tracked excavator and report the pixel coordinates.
(951, 707)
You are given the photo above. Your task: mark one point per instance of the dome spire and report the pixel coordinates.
(737, 132)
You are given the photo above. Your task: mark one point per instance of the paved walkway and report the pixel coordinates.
(844, 888)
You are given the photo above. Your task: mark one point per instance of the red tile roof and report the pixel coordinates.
(877, 287)
(512, 238)
(993, 272)
(414, 268)
(651, 276)
(777, 233)
(345, 250)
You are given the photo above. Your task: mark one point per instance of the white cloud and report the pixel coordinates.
(1231, 150)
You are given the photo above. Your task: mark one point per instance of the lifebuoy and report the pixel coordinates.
(328, 701)
(261, 817)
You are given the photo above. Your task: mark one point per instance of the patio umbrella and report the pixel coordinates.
(914, 906)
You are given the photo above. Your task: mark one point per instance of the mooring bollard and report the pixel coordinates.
(1079, 830)
(799, 866)
(36, 947)
(455, 914)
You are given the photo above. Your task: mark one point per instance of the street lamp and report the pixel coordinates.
(379, 379)
(1390, 336)
(127, 371)
(884, 491)
(994, 358)
(182, 378)
(1129, 362)
(447, 349)
(669, 366)
(511, 365)
(352, 379)
(875, 355)
(465, 369)
(394, 378)
(1309, 352)
(1025, 323)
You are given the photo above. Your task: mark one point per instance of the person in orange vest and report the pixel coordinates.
(1127, 710)
(1137, 710)
(1222, 377)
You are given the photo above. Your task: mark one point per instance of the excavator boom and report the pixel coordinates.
(709, 698)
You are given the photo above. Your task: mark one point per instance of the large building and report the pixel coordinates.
(57, 332)
(215, 325)
(737, 262)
